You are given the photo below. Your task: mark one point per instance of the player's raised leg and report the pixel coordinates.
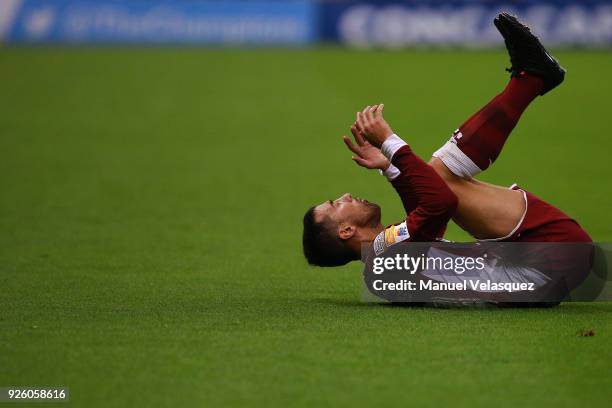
(479, 141)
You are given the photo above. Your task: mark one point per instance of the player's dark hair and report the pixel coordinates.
(321, 245)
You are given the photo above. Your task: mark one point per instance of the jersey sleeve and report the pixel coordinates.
(428, 201)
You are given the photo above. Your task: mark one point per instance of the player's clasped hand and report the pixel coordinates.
(367, 155)
(372, 125)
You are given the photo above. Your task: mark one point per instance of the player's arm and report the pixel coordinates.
(419, 186)
(371, 157)
(428, 201)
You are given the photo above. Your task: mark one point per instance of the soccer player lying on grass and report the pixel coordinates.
(445, 188)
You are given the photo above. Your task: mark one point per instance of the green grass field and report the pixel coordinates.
(150, 230)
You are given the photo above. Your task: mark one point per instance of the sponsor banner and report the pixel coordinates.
(496, 273)
(465, 23)
(160, 21)
(385, 23)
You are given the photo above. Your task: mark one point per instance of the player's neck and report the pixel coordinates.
(364, 235)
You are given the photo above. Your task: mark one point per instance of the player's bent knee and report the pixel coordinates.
(456, 161)
(443, 171)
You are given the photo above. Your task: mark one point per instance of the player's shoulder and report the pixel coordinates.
(394, 234)
(391, 235)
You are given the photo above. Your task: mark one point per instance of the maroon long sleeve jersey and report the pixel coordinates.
(428, 202)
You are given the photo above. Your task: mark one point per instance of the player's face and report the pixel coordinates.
(349, 209)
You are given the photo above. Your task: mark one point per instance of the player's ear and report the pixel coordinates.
(346, 231)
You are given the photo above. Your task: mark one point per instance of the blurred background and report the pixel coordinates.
(157, 158)
(358, 23)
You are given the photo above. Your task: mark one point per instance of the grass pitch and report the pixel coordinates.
(150, 222)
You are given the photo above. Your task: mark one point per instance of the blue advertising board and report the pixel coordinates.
(387, 23)
(162, 21)
(452, 22)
